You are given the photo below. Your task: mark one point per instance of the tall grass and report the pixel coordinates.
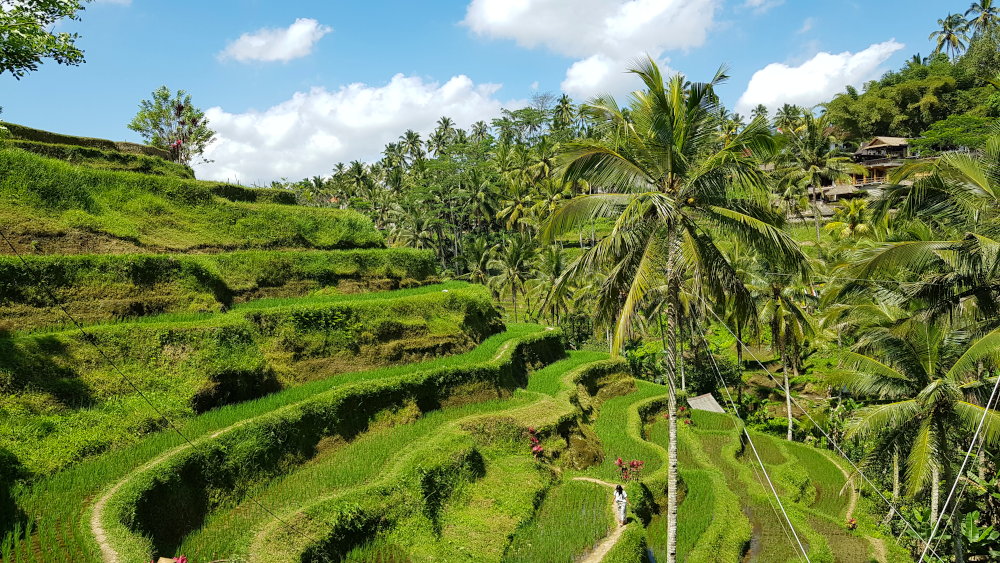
(571, 520)
(47, 196)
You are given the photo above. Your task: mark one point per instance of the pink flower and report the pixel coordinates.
(619, 462)
(531, 430)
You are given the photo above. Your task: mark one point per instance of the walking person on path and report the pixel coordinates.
(621, 501)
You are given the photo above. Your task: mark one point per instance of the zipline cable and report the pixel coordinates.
(729, 396)
(90, 339)
(961, 470)
(833, 442)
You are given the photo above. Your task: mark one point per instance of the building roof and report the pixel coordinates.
(879, 142)
(838, 190)
(705, 402)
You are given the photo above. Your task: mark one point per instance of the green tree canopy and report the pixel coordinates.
(172, 122)
(26, 37)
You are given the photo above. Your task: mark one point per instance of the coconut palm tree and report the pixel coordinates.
(787, 117)
(514, 263)
(480, 131)
(564, 113)
(985, 16)
(478, 254)
(412, 145)
(812, 160)
(850, 220)
(931, 392)
(951, 38)
(517, 207)
(783, 310)
(668, 182)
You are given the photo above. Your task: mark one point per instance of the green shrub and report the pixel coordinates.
(254, 195)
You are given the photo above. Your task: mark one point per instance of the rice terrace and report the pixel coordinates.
(571, 304)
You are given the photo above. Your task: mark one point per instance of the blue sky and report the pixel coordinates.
(330, 81)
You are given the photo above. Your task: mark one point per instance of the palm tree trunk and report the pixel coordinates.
(513, 300)
(680, 351)
(794, 359)
(949, 476)
(788, 403)
(815, 206)
(935, 492)
(671, 373)
(739, 364)
(895, 485)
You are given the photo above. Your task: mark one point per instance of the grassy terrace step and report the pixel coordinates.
(101, 288)
(103, 159)
(473, 520)
(62, 401)
(715, 472)
(224, 466)
(50, 206)
(59, 506)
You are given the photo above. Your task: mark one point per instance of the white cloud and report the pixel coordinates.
(603, 36)
(309, 133)
(282, 44)
(815, 80)
(761, 6)
(807, 26)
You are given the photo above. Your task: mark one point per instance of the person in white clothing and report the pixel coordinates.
(621, 501)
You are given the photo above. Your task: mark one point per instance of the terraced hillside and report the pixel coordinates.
(330, 400)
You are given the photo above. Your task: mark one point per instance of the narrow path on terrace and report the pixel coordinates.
(108, 553)
(602, 549)
(878, 546)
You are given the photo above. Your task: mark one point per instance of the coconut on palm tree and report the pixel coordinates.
(985, 16)
(671, 189)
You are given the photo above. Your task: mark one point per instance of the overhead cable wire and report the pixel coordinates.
(961, 470)
(832, 442)
(753, 447)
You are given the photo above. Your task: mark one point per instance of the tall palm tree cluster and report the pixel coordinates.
(953, 33)
(665, 219)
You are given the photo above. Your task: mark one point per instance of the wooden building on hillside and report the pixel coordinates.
(880, 157)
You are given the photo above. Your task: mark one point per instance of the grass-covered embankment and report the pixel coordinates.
(62, 402)
(50, 206)
(60, 506)
(223, 467)
(471, 518)
(101, 159)
(101, 288)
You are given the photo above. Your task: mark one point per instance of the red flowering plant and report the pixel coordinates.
(630, 471)
(684, 413)
(852, 523)
(537, 449)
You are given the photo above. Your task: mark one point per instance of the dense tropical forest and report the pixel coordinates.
(780, 332)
